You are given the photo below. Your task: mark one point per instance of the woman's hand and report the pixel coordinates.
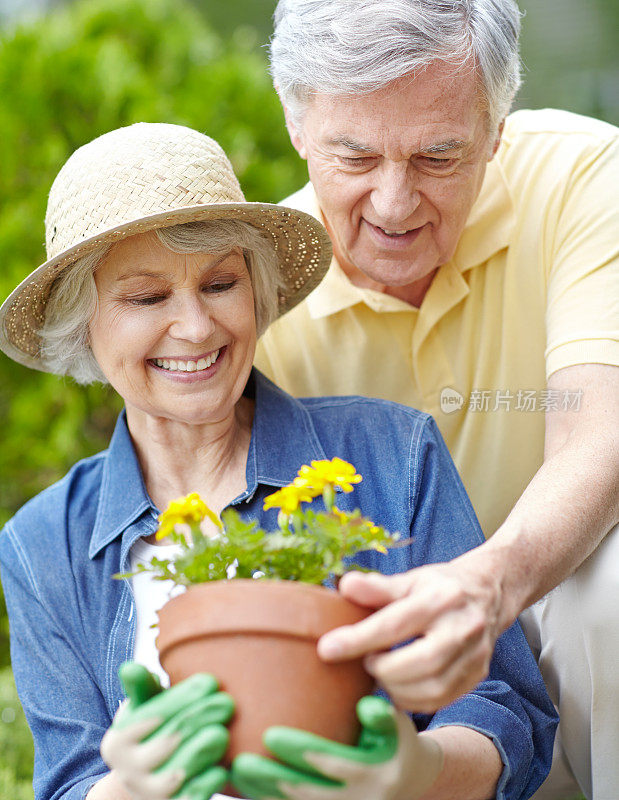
(167, 743)
(391, 762)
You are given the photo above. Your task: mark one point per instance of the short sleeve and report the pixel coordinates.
(582, 313)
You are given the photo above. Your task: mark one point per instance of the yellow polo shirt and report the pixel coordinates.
(533, 287)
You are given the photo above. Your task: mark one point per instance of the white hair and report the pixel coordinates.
(65, 348)
(344, 47)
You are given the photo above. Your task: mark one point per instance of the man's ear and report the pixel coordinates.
(294, 132)
(497, 141)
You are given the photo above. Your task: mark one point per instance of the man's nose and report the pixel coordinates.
(191, 318)
(395, 196)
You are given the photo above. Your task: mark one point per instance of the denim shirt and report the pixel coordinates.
(72, 625)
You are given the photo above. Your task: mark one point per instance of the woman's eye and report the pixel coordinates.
(220, 286)
(151, 300)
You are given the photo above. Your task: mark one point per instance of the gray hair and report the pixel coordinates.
(344, 47)
(65, 348)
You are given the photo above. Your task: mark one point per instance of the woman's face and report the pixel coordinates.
(174, 333)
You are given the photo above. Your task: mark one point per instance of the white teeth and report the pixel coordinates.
(393, 233)
(188, 366)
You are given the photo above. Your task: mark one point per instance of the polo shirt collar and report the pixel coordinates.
(490, 226)
(488, 230)
(283, 437)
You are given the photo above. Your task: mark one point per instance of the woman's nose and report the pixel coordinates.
(394, 196)
(191, 319)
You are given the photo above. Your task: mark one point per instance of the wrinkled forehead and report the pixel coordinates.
(436, 107)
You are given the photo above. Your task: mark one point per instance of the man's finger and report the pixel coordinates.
(418, 688)
(397, 622)
(458, 637)
(373, 590)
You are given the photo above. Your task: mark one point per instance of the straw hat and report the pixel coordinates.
(136, 179)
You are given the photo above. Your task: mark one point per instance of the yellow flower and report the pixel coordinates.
(345, 519)
(309, 489)
(189, 510)
(335, 472)
(288, 498)
(341, 515)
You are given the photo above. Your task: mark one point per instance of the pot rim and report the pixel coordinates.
(254, 607)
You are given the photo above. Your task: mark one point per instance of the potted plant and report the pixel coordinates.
(255, 607)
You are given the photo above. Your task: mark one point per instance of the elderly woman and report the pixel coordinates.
(159, 279)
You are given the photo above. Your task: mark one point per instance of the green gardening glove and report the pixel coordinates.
(166, 743)
(391, 761)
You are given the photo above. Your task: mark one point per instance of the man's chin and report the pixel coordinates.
(405, 280)
(395, 273)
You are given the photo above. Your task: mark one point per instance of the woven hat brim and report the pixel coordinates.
(302, 244)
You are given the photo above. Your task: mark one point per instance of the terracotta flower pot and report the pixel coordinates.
(258, 638)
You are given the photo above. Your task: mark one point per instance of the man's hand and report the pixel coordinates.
(391, 762)
(451, 612)
(167, 743)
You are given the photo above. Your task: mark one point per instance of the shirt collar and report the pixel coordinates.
(491, 223)
(488, 230)
(283, 437)
(123, 498)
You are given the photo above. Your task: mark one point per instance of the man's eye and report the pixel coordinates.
(438, 163)
(361, 161)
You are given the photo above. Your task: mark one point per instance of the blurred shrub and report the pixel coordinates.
(15, 744)
(571, 57)
(76, 73)
(65, 78)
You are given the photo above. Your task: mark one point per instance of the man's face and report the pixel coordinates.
(396, 173)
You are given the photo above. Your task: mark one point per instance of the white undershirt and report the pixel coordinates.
(150, 595)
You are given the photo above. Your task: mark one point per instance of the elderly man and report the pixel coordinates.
(474, 277)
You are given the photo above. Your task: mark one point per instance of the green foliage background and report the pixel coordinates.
(90, 66)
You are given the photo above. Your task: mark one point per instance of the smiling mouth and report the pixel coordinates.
(187, 365)
(403, 237)
(394, 233)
